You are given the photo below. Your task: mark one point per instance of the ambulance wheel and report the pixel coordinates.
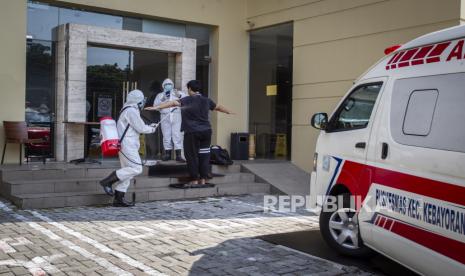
(340, 230)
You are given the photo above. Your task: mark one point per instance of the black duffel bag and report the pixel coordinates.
(219, 156)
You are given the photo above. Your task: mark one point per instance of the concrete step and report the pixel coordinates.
(66, 185)
(244, 188)
(18, 187)
(283, 176)
(71, 171)
(50, 174)
(71, 199)
(234, 168)
(227, 178)
(54, 200)
(233, 178)
(51, 186)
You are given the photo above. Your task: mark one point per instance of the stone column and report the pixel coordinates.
(71, 91)
(172, 68)
(185, 63)
(60, 93)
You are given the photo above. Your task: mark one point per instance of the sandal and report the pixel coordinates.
(206, 185)
(181, 185)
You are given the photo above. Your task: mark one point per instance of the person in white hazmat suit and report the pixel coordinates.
(171, 127)
(131, 164)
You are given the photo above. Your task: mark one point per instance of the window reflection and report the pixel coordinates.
(356, 109)
(39, 96)
(132, 24)
(90, 18)
(41, 19)
(107, 69)
(164, 28)
(39, 81)
(202, 35)
(270, 90)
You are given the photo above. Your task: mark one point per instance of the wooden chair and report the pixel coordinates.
(16, 133)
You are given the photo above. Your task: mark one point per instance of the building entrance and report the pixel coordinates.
(127, 60)
(270, 90)
(111, 74)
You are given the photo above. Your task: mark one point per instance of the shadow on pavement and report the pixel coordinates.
(253, 256)
(311, 242)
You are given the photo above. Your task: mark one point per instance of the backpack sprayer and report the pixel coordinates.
(111, 143)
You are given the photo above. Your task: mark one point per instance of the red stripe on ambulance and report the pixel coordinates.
(405, 60)
(443, 245)
(419, 57)
(435, 55)
(359, 177)
(426, 54)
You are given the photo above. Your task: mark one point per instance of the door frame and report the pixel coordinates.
(71, 68)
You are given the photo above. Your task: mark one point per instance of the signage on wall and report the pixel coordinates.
(104, 106)
(272, 90)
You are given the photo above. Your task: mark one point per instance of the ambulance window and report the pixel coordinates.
(355, 111)
(429, 112)
(420, 112)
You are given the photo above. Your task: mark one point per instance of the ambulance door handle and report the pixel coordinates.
(384, 151)
(360, 145)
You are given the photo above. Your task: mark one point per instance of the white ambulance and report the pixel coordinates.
(397, 141)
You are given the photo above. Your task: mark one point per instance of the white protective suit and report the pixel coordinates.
(129, 154)
(171, 128)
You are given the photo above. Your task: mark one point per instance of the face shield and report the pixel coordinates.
(168, 87)
(142, 103)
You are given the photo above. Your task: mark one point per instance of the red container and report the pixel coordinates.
(110, 140)
(110, 148)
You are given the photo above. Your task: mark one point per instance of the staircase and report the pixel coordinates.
(68, 185)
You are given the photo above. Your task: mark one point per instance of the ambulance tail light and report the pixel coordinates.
(391, 49)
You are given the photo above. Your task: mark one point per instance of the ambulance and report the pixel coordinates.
(395, 144)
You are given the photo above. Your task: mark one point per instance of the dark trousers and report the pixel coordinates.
(197, 153)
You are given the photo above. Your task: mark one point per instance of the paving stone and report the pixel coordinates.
(212, 236)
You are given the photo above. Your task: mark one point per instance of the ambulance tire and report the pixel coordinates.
(329, 235)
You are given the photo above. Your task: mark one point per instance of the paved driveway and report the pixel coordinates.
(202, 237)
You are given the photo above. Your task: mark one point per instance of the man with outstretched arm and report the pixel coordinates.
(197, 130)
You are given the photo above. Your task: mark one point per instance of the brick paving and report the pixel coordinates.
(214, 236)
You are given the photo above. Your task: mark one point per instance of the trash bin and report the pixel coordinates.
(239, 146)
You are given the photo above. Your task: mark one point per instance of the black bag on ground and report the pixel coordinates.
(219, 156)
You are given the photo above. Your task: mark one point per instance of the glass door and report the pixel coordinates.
(108, 72)
(111, 74)
(270, 90)
(149, 69)
(40, 97)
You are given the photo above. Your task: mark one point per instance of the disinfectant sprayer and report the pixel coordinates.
(110, 142)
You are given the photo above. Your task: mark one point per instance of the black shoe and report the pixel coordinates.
(108, 181)
(179, 157)
(167, 155)
(119, 200)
